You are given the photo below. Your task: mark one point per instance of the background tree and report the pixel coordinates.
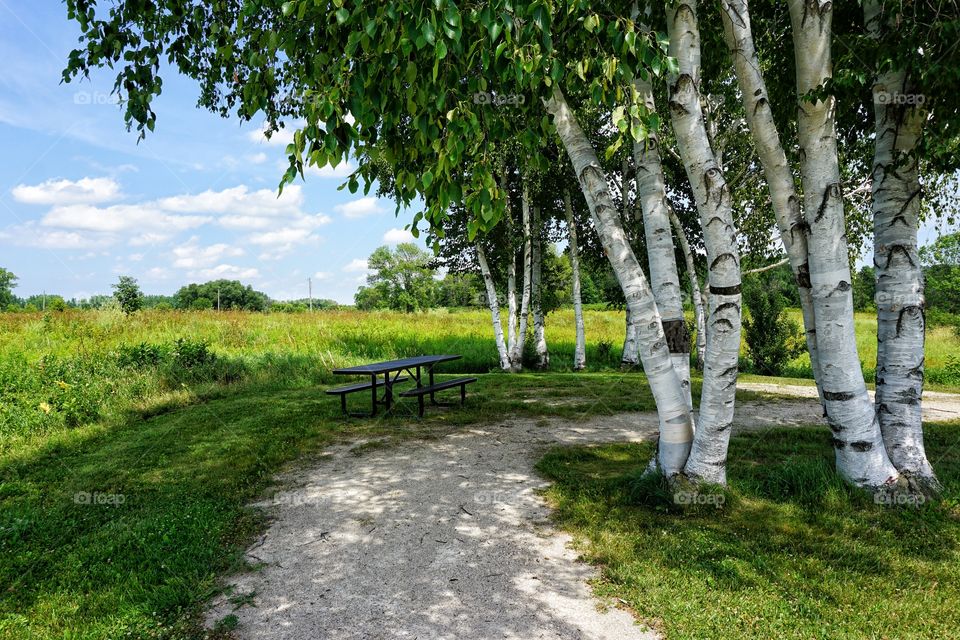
(402, 279)
(772, 337)
(232, 295)
(128, 295)
(7, 282)
(941, 270)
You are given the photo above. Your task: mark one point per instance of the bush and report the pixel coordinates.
(773, 339)
(140, 356)
(190, 354)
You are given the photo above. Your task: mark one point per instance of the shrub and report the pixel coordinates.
(140, 356)
(773, 339)
(189, 354)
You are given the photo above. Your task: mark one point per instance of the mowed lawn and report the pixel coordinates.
(130, 447)
(793, 552)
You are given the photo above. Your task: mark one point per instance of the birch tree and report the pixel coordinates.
(580, 349)
(896, 192)
(536, 299)
(708, 457)
(661, 254)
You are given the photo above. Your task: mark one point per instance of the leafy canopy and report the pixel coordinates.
(407, 82)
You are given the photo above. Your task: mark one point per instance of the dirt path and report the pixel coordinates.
(441, 538)
(937, 406)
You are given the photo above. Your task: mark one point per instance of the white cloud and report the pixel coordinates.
(193, 256)
(257, 158)
(118, 218)
(356, 265)
(360, 208)
(30, 236)
(396, 236)
(342, 170)
(149, 239)
(280, 243)
(68, 192)
(282, 236)
(237, 201)
(283, 137)
(226, 271)
(322, 275)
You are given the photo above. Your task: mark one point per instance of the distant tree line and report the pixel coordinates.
(407, 278)
(225, 295)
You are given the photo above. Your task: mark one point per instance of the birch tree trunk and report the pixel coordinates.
(511, 271)
(708, 456)
(676, 419)
(536, 301)
(735, 15)
(494, 305)
(580, 351)
(630, 357)
(696, 292)
(516, 356)
(860, 453)
(899, 294)
(661, 254)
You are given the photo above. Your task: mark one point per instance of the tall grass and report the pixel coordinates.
(62, 369)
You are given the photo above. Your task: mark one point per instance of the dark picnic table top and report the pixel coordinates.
(394, 365)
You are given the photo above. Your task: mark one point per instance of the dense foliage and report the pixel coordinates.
(222, 295)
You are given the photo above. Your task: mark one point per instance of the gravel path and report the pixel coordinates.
(443, 538)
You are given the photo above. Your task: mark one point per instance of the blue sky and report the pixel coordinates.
(82, 203)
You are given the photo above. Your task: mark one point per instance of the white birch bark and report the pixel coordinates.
(860, 454)
(696, 293)
(494, 306)
(511, 271)
(708, 456)
(786, 204)
(580, 350)
(536, 300)
(630, 356)
(661, 254)
(516, 356)
(899, 295)
(676, 419)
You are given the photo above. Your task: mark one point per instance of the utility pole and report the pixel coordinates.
(310, 291)
(43, 305)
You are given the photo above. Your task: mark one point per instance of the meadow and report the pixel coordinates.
(70, 368)
(130, 448)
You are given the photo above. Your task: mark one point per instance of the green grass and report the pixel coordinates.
(792, 553)
(173, 446)
(172, 480)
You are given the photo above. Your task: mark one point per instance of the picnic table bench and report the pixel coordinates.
(394, 371)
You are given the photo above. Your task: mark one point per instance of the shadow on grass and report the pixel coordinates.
(792, 552)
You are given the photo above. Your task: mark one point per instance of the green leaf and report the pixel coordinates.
(342, 15)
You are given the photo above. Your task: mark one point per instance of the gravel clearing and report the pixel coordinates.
(445, 538)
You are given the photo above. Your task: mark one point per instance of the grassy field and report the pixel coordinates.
(792, 553)
(64, 369)
(129, 448)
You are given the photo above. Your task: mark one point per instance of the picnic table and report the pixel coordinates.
(394, 371)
